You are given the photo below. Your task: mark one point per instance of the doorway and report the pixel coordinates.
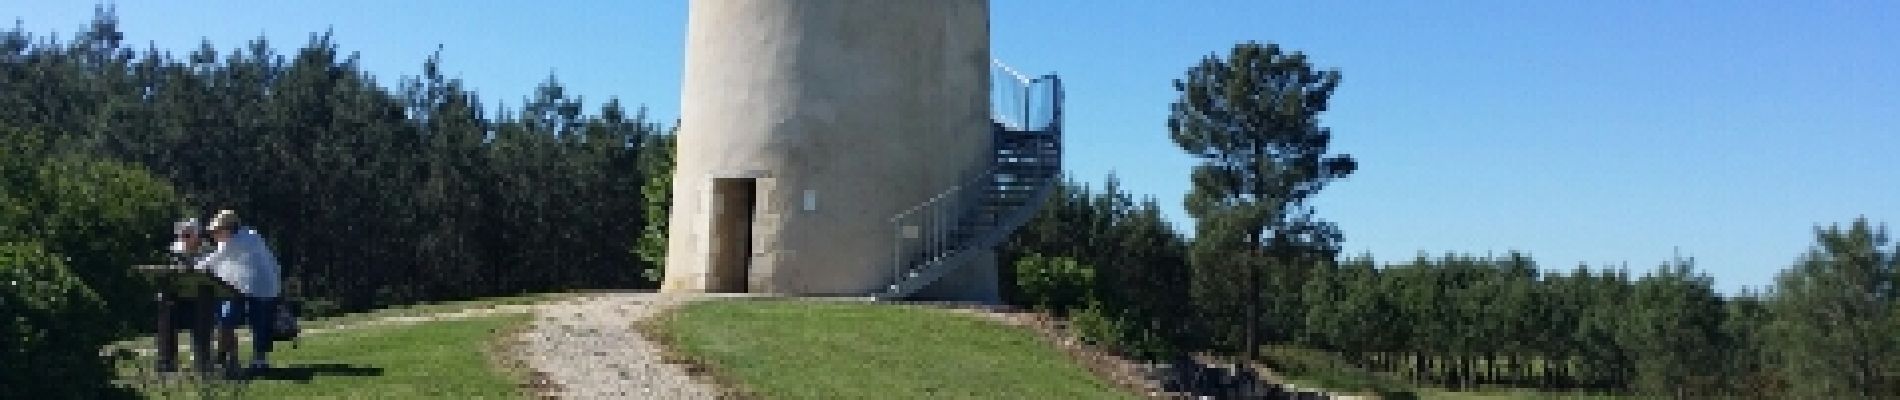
(733, 202)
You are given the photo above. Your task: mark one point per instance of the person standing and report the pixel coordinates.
(186, 248)
(243, 260)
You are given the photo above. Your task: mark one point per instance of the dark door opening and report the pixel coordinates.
(731, 258)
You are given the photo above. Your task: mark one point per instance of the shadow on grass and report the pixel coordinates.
(303, 373)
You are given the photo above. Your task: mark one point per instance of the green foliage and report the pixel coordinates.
(1252, 119)
(1346, 302)
(1055, 284)
(103, 217)
(1124, 333)
(70, 229)
(1138, 261)
(51, 326)
(100, 216)
(1675, 321)
(1467, 322)
(657, 160)
(1834, 316)
(370, 195)
(20, 154)
(1748, 361)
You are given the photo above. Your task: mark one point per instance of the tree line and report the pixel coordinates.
(371, 194)
(1263, 272)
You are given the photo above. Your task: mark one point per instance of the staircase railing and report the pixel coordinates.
(933, 227)
(991, 201)
(1023, 103)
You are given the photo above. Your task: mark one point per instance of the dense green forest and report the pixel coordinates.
(371, 194)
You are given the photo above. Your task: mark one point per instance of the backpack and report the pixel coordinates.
(284, 323)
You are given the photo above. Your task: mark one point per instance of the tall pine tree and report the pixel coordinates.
(1252, 119)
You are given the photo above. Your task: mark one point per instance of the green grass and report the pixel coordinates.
(410, 310)
(822, 350)
(1510, 394)
(443, 359)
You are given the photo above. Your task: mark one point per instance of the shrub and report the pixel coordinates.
(1120, 333)
(1055, 284)
(51, 327)
(101, 217)
(71, 227)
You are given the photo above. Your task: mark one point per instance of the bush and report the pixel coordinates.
(1121, 334)
(100, 216)
(71, 227)
(1055, 284)
(51, 327)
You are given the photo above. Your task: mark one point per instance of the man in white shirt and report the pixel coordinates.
(243, 260)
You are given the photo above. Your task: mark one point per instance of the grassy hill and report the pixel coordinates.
(824, 350)
(769, 349)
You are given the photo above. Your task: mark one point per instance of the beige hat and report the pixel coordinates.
(226, 219)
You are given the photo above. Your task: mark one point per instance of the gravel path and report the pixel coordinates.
(587, 348)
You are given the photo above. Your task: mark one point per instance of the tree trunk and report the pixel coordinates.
(1466, 369)
(1252, 293)
(1420, 369)
(1550, 372)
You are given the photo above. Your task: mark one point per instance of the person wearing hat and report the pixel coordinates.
(186, 249)
(243, 260)
(187, 237)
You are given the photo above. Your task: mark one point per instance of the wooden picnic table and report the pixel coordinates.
(179, 282)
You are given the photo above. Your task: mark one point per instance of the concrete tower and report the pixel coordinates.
(807, 125)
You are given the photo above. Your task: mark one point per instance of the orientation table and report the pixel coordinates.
(176, 283)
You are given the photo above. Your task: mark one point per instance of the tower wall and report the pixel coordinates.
(865, 107)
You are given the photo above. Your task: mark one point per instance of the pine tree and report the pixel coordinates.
(1252, 119)
(1834, 315)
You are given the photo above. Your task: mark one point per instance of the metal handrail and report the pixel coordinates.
(1013, 98)
(933, 222)
(934, 235)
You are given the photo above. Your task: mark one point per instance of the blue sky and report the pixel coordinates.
(1600, 132)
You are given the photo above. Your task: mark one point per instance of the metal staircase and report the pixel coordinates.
(950, 229)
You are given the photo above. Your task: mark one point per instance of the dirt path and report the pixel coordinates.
(587, 348)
